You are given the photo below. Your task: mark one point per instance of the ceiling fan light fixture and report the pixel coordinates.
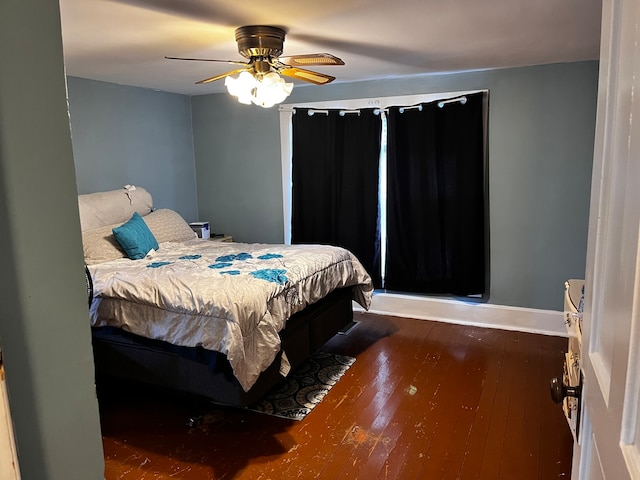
(272, 89)
(266, 91)
(242, 87)
(259, 79)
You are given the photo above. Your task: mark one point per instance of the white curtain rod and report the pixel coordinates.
(342, 113)
(377, 111)
(462, 100)
(403, 109)
(311, 112)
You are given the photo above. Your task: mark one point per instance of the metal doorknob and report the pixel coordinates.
(559, 390)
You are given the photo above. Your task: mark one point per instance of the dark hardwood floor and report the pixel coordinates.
(424, 400)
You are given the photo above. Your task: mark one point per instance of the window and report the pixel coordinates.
(382, 105)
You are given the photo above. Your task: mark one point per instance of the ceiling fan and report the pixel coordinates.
(262, 46)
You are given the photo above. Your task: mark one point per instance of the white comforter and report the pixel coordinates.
(232, 298)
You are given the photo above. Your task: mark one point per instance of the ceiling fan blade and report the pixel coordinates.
(218, 77)
(306, 75)
(232, 62)
(311, 59)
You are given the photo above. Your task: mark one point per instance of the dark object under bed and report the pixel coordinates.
(201, 372)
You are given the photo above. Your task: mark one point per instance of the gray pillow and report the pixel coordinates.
(100, 245)
(112, 207)
(168, 226)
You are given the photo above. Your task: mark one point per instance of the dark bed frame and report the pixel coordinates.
(208, 374)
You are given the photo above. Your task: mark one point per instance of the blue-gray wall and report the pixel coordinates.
(238, 163)
(541, 131)
(127, 135)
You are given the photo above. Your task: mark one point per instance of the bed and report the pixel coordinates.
(225, 321)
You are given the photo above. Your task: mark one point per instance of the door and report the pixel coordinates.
(610, 432)
(9, 469)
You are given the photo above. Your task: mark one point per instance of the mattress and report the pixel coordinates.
(231, 298)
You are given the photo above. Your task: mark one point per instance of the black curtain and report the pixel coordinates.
(335, 182)
(436, 198)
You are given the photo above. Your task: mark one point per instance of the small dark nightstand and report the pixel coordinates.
(222, 238)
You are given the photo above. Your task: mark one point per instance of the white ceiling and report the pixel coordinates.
(125, 41)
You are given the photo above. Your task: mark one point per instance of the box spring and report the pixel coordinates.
(201, 372)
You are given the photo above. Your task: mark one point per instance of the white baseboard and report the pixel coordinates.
(546, 322)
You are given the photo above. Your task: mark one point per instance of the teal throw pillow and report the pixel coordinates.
(135, 237)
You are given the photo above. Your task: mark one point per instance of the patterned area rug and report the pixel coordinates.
(305, 387)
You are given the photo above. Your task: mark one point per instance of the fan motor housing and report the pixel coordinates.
(260, 41)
